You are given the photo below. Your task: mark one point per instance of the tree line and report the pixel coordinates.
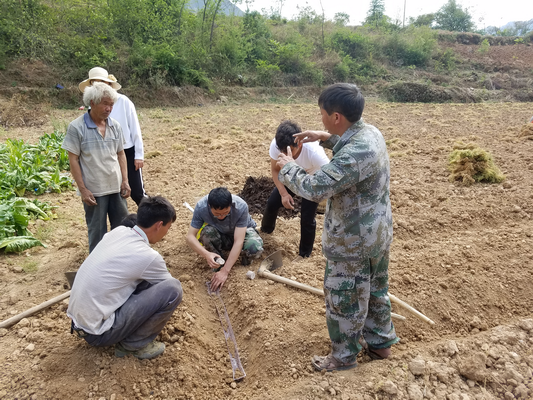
(163, 42)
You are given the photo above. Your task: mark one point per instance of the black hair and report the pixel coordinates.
(284, 135)
(219, 198)
(129, 220)
(344, 98)
(154, 209)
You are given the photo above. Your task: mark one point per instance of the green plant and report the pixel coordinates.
(519, 41)
(415, 46)
(266, 73)
(445, 61)
(484, 46)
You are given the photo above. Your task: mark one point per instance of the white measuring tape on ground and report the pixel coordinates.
(236, 366)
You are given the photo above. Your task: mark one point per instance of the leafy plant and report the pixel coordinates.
(484, 47)
(34, 168)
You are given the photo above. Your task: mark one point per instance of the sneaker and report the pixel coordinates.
(245, 260)
(151, 350)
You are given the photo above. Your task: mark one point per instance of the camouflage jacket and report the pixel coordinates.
(358, 219)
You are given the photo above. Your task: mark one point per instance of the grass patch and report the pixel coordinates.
(472, 165)
(30, 266)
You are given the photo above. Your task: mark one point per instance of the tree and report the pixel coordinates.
(375, 13)
(422, 20)
(341, 19)
(452, 17)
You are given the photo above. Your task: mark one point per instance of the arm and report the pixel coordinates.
(339, 174)
(86, 195)
(194, 244)
(311, 136)
(286, 198)
(218, 279)
(125, 189)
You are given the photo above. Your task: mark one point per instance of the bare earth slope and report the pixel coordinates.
(461, 255)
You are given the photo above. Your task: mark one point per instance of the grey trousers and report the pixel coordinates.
(96, 216)
(142, 316)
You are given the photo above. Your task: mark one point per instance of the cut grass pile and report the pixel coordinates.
(469, 164)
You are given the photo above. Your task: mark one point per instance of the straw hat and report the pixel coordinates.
(99, 74)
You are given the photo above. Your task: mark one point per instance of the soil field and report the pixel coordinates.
(461, 255)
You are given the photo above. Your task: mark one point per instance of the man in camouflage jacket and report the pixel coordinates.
(357, 226)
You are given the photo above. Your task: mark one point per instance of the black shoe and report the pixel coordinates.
(245, 260)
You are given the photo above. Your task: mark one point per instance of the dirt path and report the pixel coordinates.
(461, 255)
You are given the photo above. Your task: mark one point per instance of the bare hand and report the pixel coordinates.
(284, 159)
(138, 164)
(287, 201)
(87, 197)
(310, 136)
(210, 258)
(218, 279)
(125, 190)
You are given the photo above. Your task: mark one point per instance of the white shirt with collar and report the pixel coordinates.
(108, 277)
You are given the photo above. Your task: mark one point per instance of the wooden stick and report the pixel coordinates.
(269, 275)
(412, 310)
(13, 320)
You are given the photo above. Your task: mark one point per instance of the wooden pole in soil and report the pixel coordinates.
(13, 320)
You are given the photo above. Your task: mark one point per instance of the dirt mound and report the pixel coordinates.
(256, 192)
(526, 131)
(413, 92)
(17, 112)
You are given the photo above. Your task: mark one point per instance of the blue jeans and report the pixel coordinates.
(96, 216)
(142, 317)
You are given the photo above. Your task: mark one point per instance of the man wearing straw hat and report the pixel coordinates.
(126, 115)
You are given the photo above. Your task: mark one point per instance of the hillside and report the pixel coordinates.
(499, 73)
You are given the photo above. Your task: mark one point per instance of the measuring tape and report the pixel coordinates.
(236, 366)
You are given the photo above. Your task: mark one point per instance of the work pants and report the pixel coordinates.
(135, 178)
(357, 304)
(112, 205)
(142, 317)
(307, 220)
(215, 242)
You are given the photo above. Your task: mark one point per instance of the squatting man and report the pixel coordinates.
(123, 294)
(221, 222)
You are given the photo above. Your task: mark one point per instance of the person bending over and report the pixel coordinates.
(309, 156)
(221, 222)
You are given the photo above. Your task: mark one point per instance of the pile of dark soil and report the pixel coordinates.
(256, 192)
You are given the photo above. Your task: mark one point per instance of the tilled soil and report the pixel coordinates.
(461, 255)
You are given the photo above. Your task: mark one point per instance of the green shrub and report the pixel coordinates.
(266, 73)
(445, 60)
(352, 44)
(415, 46)
(342, 72)
(484, 46)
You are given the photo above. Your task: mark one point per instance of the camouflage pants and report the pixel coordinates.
(357, 304)
(216, 242)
